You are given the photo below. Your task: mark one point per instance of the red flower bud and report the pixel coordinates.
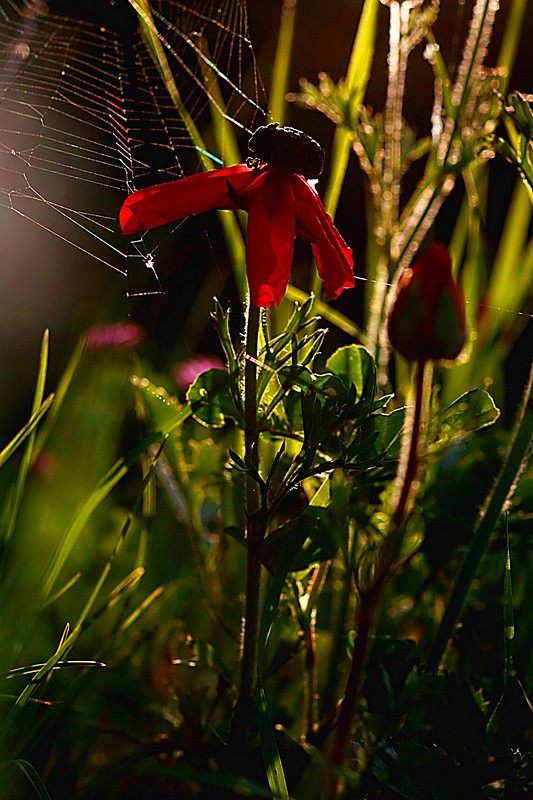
(427, 321)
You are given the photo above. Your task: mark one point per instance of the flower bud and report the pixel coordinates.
(427, 321)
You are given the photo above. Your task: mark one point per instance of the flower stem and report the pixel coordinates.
(255, 531)
(409, 472)
(371, 596)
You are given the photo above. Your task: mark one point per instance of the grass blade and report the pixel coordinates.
(508, 608)
(25, 431)
(33, 777)
(60, 394)
(518, 455)
(228, 220)
(282, 61)
(27, 456)
(271, 756)
(357, 77)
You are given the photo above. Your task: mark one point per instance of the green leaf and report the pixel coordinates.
(211, 399)
(470, 412)
(271, 756)
(221, 321)
(355, 366)
(163, 407)
(312, 527)
(380, 435)
(322, 497)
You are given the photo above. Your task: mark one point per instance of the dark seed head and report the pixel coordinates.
(286, 147)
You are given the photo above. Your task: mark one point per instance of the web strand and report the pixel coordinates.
(85, 118)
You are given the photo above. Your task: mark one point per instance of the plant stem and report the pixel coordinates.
(282, 61)
(370, 597)
(409, 472)
(255, 531)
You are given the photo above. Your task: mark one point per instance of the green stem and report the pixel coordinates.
(255, 531)
(357, 76)
(282, 61)
(411, 466)
(518, 454)
(228, 220)
(371, 596)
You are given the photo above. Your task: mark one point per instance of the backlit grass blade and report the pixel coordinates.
(63, 590)
(32, 775)
(141, 608)
(228, 220)
(127, 584)
(508, 607)
(80, 519)
(514, 29)
(518, 455)
(511, 278)
(25, 431)
(271, 756)
(107, 484)
(33, 669)
(60, 394)
(27, 456)
(269, 746)
(282, 61)
(357, 77)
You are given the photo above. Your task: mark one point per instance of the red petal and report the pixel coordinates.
(168, 202)
(270, 239)
(427, 320)
(333, 256)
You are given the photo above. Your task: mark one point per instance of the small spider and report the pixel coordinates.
(286, 147)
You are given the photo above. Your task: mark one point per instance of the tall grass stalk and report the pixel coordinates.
(228, 219)
(517, 458)
(279, 83)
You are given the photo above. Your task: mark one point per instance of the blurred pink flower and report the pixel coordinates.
(45, 465)
(186, 372)
(118, 334)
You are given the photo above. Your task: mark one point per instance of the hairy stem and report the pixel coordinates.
(255, 531)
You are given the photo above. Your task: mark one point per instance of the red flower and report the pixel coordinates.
(428, 317)
(280, 203)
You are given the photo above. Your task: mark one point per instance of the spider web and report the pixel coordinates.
(85, 117)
